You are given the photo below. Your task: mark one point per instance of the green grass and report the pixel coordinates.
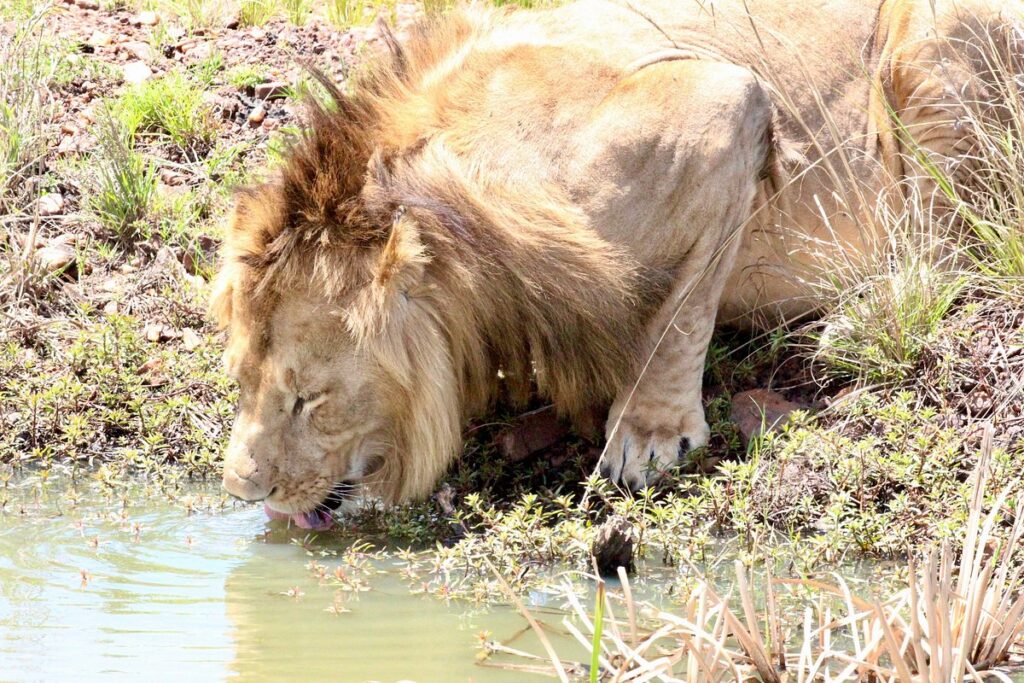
(245, 76)
(297, 11)
(170, 108)
(24, 112)
(256, 12)
(125, 184)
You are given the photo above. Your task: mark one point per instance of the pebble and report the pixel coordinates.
(257, 115)
(199, 51)
(57, 258)
(137, 72)
(51, 204)
(88, 4)
(760, 410)
(147, 18)
(99, 39)
(140, 50)
(271, 90)
(190, 340)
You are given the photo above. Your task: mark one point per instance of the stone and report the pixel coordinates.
(760, 410)
(51, 204)
(140, 50)
(257, 115)
(190, 339)
(199, 51)
(271, 91)
(137, 72)
(99, 39)
(150, 366)
(535, 432)
(57, 259)
(147, 18)
(88, 4)
(155, 332)
(614, 546)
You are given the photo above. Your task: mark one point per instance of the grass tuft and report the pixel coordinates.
(256, 12)
(171, 107)
(126, 184)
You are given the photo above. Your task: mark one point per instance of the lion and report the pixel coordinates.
(569, 197)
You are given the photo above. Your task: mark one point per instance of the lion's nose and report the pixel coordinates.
(243, 477)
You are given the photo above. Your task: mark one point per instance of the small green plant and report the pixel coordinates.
(245, 76)
(172, 106)
(346, 13)
(256, 12)
(436, 6)
(199, 13)
(126, 183)
(205, 72)
(297, 11)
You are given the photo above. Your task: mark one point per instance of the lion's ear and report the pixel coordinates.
(397, 272)
(403, 259)
(220, 298)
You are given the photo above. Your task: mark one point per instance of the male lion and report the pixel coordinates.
(572, 196)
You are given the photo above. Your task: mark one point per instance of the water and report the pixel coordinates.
(200, 589)
(93, 592)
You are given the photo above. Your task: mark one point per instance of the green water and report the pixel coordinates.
(91, 591)
(107, 583)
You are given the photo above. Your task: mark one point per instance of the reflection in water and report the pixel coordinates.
(208, 596)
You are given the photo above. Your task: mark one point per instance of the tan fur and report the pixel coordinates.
(541, 195)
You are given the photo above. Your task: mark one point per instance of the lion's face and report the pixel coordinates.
(313, 416)
(346, 381)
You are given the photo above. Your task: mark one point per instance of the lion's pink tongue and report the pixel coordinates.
(274, 514)
(316, 520)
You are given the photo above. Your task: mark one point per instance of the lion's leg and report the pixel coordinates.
(691, 151)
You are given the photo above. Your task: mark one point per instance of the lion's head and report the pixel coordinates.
(334, 338)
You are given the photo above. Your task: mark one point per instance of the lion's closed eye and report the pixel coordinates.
(305, 404)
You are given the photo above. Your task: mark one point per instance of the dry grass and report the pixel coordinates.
(956, 619)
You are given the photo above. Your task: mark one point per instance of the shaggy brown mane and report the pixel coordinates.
(559, 301)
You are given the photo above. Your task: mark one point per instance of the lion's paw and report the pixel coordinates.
(635, 458)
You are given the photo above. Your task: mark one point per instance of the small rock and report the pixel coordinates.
(155, 332)
(175, 32)
(88, 4)
(51, 204)
(272, 90)
(70, 144)
(226, 106)
(145, 19)
(760, 410)
(169, 177)
(110, 308)
(57, 259)
(257, 115)
(99, 39)
(137, 72)
(613, 547)
(68, 129)
(190, 340)
(199, 51)
(151, 365)
(535, 432)
(258, 33)
(140, 50)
